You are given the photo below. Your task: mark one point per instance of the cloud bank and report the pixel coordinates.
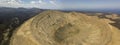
(61, 4)
(33, 3)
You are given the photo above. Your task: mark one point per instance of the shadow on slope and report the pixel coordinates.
(11, 18)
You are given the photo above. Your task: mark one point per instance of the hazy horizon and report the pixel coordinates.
(62, 4)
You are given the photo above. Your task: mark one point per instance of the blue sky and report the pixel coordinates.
(62, 4)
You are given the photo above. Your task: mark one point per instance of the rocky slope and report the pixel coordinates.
(60, 28)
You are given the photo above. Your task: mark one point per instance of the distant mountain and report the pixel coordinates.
(101, 10)
(11, 18)
(21, 13)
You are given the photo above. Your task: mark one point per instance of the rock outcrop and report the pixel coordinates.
(59, 28)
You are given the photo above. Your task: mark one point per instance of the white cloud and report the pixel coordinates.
(40, 1)
(12, 2)
(1, 1)
(33, 2)
(52, 2)
(38, 4)
(20, 1)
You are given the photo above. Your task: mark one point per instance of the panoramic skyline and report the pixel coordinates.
(62, 4)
